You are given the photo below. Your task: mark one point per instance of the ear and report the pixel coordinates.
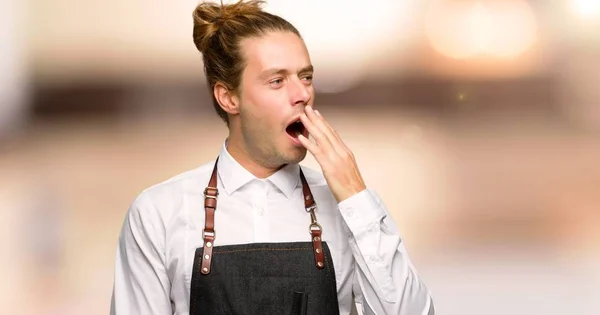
(226, 98)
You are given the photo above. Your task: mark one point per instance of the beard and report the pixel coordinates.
(263, 142)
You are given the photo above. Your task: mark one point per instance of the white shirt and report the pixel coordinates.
(163, 227)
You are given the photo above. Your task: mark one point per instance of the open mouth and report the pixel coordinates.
(295, 129)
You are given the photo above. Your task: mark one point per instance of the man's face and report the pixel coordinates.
(276, 85)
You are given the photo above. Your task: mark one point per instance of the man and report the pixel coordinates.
(253, 232)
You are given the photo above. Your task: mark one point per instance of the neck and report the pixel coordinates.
(236, 148)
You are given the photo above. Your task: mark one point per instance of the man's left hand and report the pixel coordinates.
(336, 160)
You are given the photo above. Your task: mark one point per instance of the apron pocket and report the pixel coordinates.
(299, 303)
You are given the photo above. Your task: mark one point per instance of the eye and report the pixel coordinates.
(276, 82)
(307, 78)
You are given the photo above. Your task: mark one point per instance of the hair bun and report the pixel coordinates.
(209, 17)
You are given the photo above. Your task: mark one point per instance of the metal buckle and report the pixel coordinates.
(206, 192)
(314, 227)
(213, 234)
(311, 208)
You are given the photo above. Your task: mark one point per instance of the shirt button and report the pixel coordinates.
(373, 258)
(350, 213)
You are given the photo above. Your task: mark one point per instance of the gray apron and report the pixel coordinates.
(295, 278)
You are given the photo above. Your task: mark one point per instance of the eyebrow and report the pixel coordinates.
(269, 72)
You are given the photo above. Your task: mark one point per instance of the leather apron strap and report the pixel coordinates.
(210, 205)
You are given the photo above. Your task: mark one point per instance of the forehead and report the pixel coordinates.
(283, 50)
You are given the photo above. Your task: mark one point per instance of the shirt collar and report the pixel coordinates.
(233, 175)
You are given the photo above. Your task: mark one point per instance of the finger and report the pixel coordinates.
(337, 143)
(318, 122)
(333, 132)
(316, 151)
(316, 132)
(311, 147)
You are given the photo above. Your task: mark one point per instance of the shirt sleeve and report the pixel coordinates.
(385, 280)
(141, 284)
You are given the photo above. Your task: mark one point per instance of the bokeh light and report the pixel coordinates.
(586, 8)
(465, 29)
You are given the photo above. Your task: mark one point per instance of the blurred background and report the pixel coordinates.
(477, 121)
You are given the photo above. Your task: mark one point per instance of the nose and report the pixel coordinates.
(301, 93)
